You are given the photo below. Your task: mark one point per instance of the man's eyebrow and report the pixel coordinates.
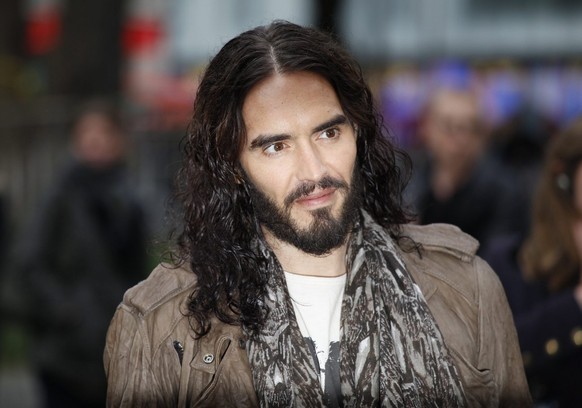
(336, 120)
(264, 140)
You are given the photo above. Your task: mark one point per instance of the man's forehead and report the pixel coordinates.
(286, 102)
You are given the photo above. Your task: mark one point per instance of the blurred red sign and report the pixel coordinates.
(141, 35)
(43, 30)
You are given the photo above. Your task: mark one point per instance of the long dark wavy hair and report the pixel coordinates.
(549, 253)
(218, 219)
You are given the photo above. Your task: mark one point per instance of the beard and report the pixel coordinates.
(325, 231)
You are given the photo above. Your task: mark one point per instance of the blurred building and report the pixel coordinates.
(394, 29)
(149, 53)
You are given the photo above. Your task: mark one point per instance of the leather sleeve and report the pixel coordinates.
(127, 361)
(498, 344)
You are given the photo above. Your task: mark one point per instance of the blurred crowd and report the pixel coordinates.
(517, 188)
(514, 184)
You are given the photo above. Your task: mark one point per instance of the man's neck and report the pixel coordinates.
(298, 262)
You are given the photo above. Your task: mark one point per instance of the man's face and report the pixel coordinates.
(299, 159)
(97, 141)
(452, 129)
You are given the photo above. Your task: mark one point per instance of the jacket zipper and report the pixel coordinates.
(179, 349)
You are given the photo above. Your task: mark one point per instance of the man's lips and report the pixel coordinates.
(317, 198)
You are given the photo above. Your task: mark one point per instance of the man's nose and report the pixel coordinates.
(310, 164)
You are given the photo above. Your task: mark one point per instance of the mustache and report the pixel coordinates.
(307, 188)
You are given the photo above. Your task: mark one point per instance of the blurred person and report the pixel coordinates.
(86, 246)
(519, 143)
(298, 281)
(455, 180)
(542, 275)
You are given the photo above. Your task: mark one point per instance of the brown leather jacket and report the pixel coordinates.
(149, 336)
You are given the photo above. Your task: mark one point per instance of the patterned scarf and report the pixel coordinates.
(392, 353)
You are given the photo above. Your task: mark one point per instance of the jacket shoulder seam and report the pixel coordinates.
(144, 298)
(444, 238)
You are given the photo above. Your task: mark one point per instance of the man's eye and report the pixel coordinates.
(274, 148)
(330, 133)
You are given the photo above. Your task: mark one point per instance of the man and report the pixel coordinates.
(85, 247)
(456, 181)
(300, 284)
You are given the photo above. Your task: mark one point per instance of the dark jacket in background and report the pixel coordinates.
(488, 204)
(87, 246)
(549, 327)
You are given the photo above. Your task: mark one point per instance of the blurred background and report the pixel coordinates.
(518, 61)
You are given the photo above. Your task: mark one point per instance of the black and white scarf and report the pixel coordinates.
(392, 353)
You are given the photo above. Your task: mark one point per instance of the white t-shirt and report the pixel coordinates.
(317, 302)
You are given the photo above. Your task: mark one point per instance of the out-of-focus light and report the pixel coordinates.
(141, 35)
(43, 30)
